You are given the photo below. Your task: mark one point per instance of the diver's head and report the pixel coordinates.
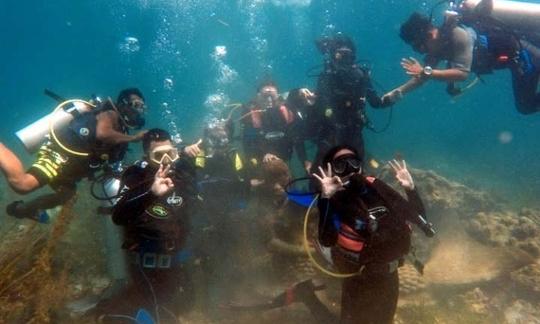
(419, 32)
(340, 49)
(216, 137)
(158, 148)
(131, 107)
(267, 95)
(301, 97)
(344, 160)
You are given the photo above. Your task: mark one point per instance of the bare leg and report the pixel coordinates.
(13, 169)
(30, 208)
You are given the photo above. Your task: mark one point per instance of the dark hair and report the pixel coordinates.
(329, 44)
(267, 83)
(154, 135)
(329, 156)
(124, 95)
(414, 31)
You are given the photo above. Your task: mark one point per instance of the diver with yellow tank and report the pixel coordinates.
(477, 36)
(72, 142)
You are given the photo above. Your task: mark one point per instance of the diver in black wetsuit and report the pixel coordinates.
(365, 224)
(343, 89)
(302, 102)
(373, 234)
(155, 209)
(479, 48)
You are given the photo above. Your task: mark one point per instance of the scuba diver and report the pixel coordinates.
(155, 208)
(342, 91)
(269, 126)
(302, 102)
(365, 225)
(102, 133)
(222, 172)
(474, 40)
(225, 187)
(373, 235)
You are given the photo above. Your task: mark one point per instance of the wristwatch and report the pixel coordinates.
(427, 71)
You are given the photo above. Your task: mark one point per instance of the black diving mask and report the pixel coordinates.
(134, 113)
(344, 56)
(345, 165)
(218, 142)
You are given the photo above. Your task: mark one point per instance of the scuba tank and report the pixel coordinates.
(116, 256)
(33, 135)
(521, 16)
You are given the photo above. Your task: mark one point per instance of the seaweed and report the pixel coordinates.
(31, 289)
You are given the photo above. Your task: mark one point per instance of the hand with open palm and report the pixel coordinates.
(329, 184)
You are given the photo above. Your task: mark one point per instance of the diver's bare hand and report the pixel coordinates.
(402, 174)
(139, 136)
(256, 183)
(307, 166)
(162, 183)
(392, 96)
(268, 157)
(412, 67)
(194, 149)
(329, 184)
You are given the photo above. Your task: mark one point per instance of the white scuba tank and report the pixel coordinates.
(116, 256)
(523, 16)
(33, 135)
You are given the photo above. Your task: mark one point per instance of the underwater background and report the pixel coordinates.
(193, 58)
(79, 48)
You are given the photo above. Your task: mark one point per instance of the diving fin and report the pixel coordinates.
(293, 294)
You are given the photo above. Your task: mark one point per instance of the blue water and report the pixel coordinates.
(75, 48)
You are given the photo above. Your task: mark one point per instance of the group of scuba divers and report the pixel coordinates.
(364, 225)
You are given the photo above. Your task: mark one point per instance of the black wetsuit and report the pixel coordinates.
(224, 189)
(156, 229)
(372, 295)
(342, 93)
(485, 48)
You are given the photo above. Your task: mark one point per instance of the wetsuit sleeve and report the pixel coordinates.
(415, 201)
(134, 201)
(327, 231)
(409, 209)
(323, 91)
(297, 136)
(373, 98)
(462, 50)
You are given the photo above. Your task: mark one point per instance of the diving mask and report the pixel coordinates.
(165, 154)
(267, 97)
(344, 56)
(346, 164)
(133, 114)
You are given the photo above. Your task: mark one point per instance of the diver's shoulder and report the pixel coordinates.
(461, 33)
